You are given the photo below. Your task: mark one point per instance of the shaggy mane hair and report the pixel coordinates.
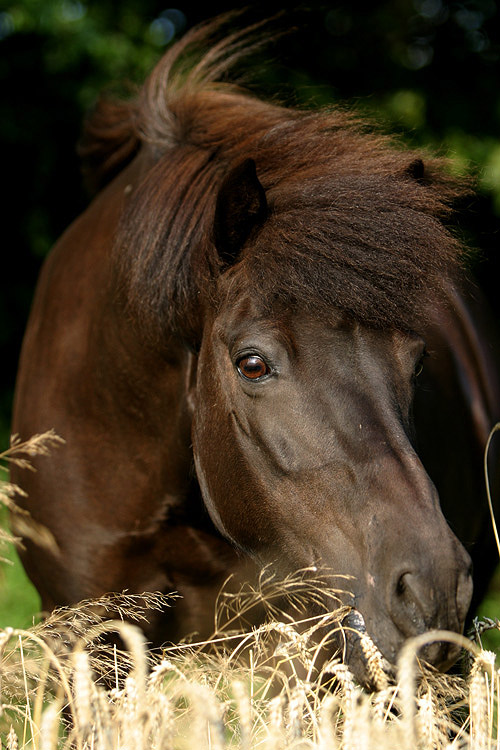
(355, 221)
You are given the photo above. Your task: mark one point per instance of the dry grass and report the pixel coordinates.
(62, 685)
(19, 453)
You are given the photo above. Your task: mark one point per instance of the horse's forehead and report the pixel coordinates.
(249, 315)
(243, 304)
(245, 313)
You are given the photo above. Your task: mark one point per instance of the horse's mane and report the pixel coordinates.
(355, 221)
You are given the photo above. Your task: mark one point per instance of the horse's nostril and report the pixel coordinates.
(401, 585)
(413, 603)
(420, 600)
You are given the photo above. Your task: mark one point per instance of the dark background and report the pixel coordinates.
(427, 69)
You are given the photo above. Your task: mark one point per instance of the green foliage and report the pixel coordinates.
(113, 43)
(19, 601)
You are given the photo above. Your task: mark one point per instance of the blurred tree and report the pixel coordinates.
(428, 68)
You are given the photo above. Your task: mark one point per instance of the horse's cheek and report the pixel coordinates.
(211, 454)
(230, 493)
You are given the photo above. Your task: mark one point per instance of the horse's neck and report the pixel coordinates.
(137, 391)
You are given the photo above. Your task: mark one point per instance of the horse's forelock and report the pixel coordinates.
(383, 274)
(353, 222)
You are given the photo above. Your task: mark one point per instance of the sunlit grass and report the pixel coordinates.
(63, 687)
(19, 601)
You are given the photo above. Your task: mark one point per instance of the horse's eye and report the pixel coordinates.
(419, 366)
(253, 367)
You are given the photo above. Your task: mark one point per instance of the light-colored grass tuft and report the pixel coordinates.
(19, 454)
(62, 687)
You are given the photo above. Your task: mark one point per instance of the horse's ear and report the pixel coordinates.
(241, 206)
(415, 169)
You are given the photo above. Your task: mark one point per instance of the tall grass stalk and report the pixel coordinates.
(64, 691)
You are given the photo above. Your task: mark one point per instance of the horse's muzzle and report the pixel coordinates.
(417, 603)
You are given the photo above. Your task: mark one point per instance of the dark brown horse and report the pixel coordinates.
(229, 340)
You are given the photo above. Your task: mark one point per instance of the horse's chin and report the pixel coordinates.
(371, 668)
(365, 661)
